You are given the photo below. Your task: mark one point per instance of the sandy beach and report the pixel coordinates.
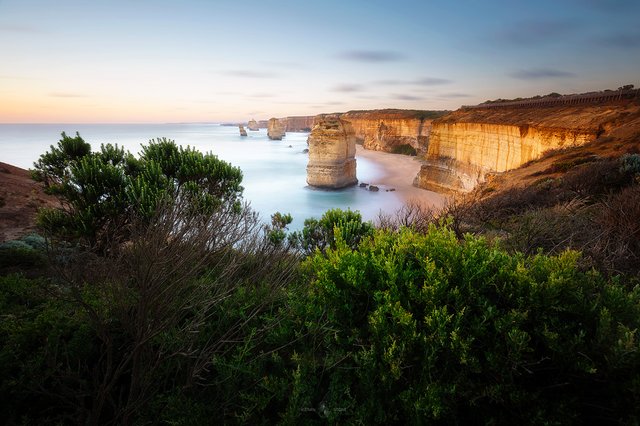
(398, 172)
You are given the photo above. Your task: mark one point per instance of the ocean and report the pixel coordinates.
(274, 171)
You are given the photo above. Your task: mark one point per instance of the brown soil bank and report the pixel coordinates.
(20, 198)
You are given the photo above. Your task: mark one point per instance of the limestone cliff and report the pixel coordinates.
(469, 143)
(299, 123)
(253, 125)
(275, 129)
(399, 131)
(332, 150)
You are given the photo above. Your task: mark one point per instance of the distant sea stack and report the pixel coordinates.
(275, 129)
(243, 132)
(332, 150)
(253, 125)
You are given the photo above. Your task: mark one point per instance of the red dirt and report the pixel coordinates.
(20, 198)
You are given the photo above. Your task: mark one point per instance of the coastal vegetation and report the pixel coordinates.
(155, 295)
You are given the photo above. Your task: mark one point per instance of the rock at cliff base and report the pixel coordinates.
(332, 149)
(275, 129)
(243, 132)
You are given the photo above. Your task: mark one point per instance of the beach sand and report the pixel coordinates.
(398, 171)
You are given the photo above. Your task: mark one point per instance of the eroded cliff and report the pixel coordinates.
(469, 143)
(299, 123)
(397, 131)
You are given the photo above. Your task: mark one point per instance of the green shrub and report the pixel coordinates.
(320, 234)
(23, 254)
(103, 191)
(414, 329)
(630, 164)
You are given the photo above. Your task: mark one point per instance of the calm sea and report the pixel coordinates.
(274, 171)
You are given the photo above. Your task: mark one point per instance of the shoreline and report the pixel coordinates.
(398, 171)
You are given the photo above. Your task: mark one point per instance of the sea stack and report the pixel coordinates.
(332, 150)
(253, 125)
(275, 129)
(243, 132)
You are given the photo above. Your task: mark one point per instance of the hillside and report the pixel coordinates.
(20, 198)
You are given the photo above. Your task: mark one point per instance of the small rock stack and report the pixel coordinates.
(253, 125)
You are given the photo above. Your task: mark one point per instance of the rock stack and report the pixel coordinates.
(275, 129)
(253, 125)
(332, 150)
(243, 132)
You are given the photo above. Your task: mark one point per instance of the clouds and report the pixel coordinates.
(348, 88)
(540, 74)
(621, 40)
(19, 28)
(405, 97)
(531, 33)
(432, 81)
(244, 73)
(371, 56)
(424, 81)
(67, 95)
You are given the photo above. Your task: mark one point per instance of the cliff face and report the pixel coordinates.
(467, 144)
(392, 130)
(299, 123)
(275, 129)
(332, 150)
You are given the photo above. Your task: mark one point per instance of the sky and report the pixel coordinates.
(155, 61)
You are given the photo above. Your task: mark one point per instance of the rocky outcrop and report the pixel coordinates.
(275, 129)
(396, 131)
(332, 150)
(243, 132)
(467, 144)
(253, 125)
(299, 123)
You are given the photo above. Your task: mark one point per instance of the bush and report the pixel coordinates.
(27, 253)
(320, 234)
(112, 336)
(103, 191)
(413, 329)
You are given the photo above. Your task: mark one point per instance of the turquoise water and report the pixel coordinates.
(274, 171)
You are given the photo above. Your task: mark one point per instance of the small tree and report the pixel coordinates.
(100, 191)
(320, 234)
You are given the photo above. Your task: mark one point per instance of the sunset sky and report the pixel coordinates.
(219, 60)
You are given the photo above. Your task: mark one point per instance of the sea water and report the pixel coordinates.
(274, 172)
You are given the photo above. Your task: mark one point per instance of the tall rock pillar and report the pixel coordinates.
(275, 129)
(332, 151)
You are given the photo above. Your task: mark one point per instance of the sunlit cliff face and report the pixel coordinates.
(464, 146)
